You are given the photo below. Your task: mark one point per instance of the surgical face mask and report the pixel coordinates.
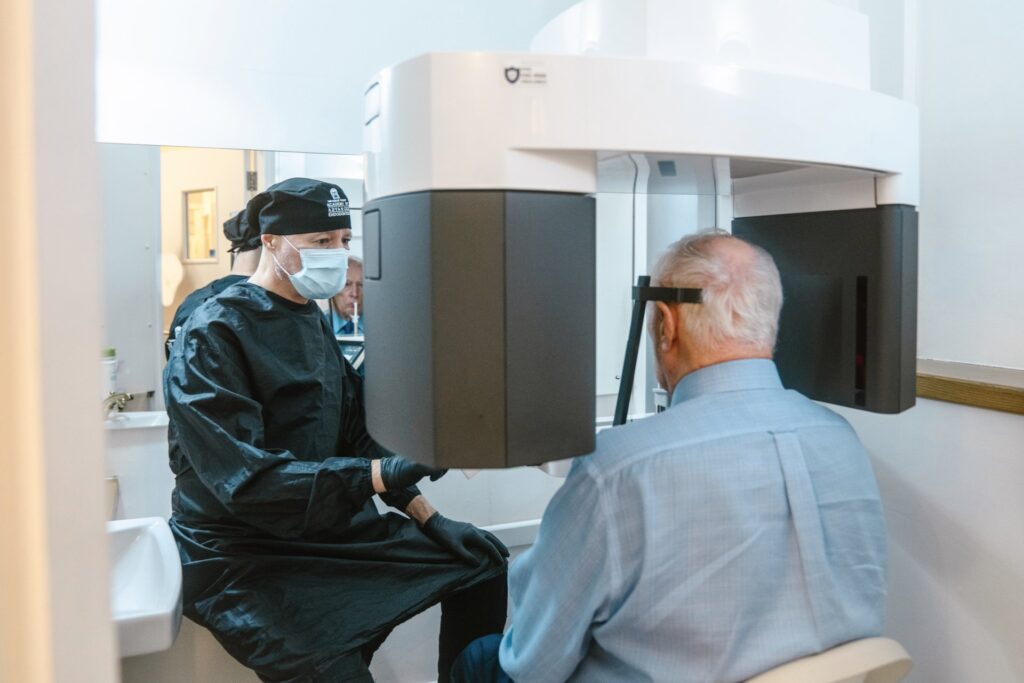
(322, 274)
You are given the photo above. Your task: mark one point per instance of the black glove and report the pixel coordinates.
(462, 538)
(400, 473)
(401, 498)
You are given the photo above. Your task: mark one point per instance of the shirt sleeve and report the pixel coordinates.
(560, 588)
(219, 426)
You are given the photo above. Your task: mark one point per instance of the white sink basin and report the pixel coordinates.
(145, 582)
(137, 420)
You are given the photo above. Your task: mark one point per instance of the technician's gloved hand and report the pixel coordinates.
(462, 539)
(397, 472)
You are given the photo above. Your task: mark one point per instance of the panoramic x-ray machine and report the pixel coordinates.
(480, 233)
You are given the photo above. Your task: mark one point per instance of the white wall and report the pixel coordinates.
(888, 30)
(54, 590)
(951, 475)
(951, 478)
(260, 75)
(130, 204)
(68, 236)
(970, 82)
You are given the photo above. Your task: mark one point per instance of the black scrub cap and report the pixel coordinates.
(240, 233)
(297, 206)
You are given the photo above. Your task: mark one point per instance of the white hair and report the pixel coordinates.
(742, 292)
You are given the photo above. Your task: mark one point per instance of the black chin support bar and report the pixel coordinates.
(642, 293)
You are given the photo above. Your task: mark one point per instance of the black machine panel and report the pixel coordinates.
(481, 325)
(848, 331)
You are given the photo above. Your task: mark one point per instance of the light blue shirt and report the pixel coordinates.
(342, 326)
(737, 530)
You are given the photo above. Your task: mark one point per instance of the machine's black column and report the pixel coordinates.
(480, 319)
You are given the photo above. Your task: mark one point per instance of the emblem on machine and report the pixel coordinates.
(530, 73)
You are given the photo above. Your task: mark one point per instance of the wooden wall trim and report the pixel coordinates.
(972, 385)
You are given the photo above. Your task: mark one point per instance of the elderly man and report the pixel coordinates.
(285, 557)
(346, 307)
(737, 530)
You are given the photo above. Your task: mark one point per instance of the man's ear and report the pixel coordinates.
(268, 242)
(667, 327)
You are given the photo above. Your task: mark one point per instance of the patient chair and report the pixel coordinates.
(871, 660)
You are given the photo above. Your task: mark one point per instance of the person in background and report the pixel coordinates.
(736, 531)
(245, 256)
(285, 557)
(347, 305)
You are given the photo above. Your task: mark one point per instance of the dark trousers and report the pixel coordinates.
(465, 616)
(479, 663)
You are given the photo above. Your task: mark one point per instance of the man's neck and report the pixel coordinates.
(702, 361)
(246, 263)
(268, 278)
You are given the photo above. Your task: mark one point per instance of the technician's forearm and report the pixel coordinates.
(420, 510)
(378, 483)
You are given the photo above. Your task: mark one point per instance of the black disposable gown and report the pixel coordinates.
(285, 557)
(197, 299)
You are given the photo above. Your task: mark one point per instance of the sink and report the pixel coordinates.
(137, 456)
(145, 582)
(137, 420)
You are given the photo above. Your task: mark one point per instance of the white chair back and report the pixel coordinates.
(871, 660)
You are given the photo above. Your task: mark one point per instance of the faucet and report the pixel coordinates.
(115, 401)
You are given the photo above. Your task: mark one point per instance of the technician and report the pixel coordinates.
(285, 557)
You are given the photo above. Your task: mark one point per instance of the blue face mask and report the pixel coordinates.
(323, 271)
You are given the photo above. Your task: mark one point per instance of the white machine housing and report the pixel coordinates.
(772, 114)
(457, 121)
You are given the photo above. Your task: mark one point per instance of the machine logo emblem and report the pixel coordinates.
(511, 74)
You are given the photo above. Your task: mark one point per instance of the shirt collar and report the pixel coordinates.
(734, 375)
